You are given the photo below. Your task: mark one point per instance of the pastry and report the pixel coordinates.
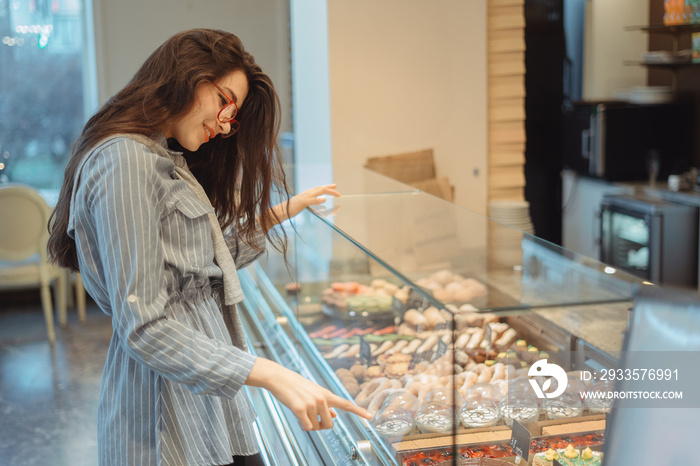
(384, 303)
(372, 372)
(463, 295)
(383, 348)
(364, 397)
(443, 277)
(398, 346)
(342, 372)
(433, 317)
(378, 283)
(377, 399)
(358, 370)
(393, 358)
(412, 346)
(397, 370)
(571, 456)
(356, 298)
(414, 317)
(337, 351)
(591, 458)
(462, 340)
(461, 358)
(402, 295)
(499, 371)
(473, 319)
(470, 378)
(402, 399)
(349, 381)
(506, 339)
(406, 329)
(475, 339)
(351, 386)
(442, 295)
(497, 329)
(428, 344)
(545, 458)
(352, 352)
(476, 287)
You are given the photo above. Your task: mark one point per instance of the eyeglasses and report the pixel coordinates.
(228, 113)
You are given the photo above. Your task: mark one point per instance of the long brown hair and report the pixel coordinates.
(239, 174)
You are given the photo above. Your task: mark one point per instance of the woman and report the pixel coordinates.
(157, 235)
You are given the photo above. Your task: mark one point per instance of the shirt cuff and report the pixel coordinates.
(244, 364)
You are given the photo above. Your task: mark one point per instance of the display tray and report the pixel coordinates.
(415, 357)
(453, 288)
(469, 453)
(379, 300)
(368, 314)
(493, 298)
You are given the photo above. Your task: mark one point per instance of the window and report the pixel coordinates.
(42, 103)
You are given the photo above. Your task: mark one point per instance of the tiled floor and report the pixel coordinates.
(48, 396)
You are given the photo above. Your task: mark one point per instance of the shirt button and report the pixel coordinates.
(132, 298)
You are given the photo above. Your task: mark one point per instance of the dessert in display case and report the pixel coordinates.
(437, 320)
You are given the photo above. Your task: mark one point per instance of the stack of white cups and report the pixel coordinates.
(505, 240)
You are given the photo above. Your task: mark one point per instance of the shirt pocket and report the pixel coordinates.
(187, 233)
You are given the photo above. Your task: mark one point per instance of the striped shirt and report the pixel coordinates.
(171, 387)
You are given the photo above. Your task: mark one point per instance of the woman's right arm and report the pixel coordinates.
(311, 404)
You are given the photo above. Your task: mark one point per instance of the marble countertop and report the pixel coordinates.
(686, 196)
(603, 326)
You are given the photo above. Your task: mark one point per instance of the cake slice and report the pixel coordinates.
(545, 458)
(573, 457)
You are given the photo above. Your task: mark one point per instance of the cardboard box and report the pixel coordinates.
(439, 187)
(407, 168)
(416, 169)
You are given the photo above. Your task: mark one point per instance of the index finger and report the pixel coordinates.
(331, 191)
(349, 406)
(327, 187)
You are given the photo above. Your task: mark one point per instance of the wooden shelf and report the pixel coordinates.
(664, 29)
(675, 31)
(675, 65)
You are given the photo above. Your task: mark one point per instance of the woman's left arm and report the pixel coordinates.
(244, 254)
(301, 201)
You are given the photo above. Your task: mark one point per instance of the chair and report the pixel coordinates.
(77, 300)
(24, 216)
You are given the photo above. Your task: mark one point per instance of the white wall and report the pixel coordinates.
(127, 32)
(608, 45)
(395, 76)
(407, 75)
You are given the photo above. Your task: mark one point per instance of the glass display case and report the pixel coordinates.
(433, 318)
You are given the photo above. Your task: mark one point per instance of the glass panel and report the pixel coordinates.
(464, 259)
(367, 181)
(366, 330)
(441, 366)
(41, 81)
